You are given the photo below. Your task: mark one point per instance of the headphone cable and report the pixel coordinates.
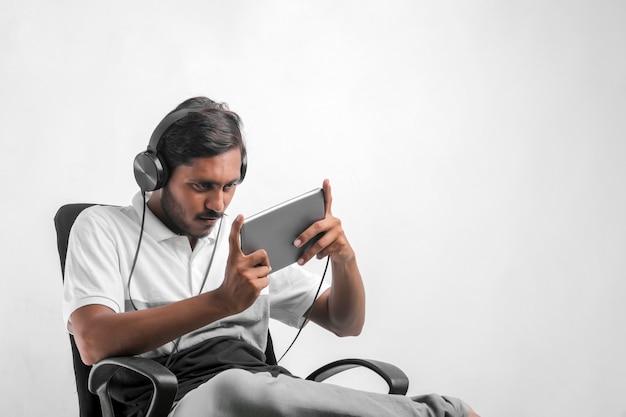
(132, 269)
(174, 351)
(308, 312)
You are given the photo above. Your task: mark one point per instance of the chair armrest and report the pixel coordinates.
(396, 379)
(164, 382)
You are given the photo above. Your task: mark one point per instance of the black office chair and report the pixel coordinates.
(92, 382)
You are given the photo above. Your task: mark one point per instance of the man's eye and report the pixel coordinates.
(200, 187)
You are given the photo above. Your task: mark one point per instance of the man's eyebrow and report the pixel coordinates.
(205, 182)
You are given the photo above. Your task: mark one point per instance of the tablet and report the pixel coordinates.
(276, 228)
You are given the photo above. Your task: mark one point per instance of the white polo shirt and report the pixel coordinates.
(100, 254)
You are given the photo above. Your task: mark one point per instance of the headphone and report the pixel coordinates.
(150, 170)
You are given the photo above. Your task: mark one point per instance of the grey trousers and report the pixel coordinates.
(236, 392)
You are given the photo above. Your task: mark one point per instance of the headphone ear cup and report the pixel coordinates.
(150, 172)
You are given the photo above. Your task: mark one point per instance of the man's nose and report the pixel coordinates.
(215, 201)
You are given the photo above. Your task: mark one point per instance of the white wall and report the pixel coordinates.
(476, 151)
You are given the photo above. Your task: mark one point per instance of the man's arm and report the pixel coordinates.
(102, 333)
(341, 308)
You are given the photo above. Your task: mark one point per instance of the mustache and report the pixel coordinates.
(210, 214)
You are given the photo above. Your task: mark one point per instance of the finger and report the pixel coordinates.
(328, 198)
(333, 248)
(262, 282)
(320, 244)
(233, 239)
(259, 258)
(263, 271)
(310, 233)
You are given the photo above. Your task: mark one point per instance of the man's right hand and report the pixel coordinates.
(246, 275)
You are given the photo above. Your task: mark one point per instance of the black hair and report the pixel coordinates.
(213, 130)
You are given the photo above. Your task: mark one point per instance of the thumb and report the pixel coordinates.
(233, 239)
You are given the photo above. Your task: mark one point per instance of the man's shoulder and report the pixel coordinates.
(104, 214)
(104, 210)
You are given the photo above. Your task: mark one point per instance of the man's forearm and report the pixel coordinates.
(102, 333)
(346, 302)
(341, 309)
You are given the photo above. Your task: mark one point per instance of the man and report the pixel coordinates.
(166, 278)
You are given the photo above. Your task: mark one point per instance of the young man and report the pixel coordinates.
(166, 278)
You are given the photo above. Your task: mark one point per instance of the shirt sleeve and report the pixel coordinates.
(292, 292)
(92, 272)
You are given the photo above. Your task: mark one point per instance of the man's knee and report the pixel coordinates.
(240, 390)
(234, 392)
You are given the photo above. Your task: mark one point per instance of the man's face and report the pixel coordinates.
(196, 195)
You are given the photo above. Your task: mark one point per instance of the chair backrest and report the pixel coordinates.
(88, 403)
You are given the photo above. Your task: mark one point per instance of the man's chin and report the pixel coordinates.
(201, 233)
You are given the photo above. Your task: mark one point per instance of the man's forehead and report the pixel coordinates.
(225, 164)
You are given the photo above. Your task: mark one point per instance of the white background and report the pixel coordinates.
(476, 151)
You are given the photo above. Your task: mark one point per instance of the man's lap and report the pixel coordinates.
(237, 392)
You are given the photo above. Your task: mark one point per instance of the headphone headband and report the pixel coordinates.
(167, 121)
(150, 171)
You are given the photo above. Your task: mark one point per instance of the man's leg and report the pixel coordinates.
(240, 393)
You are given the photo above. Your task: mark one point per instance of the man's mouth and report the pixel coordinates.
(210, 218)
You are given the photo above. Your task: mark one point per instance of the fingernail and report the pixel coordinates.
(297, 243)
(300, 261)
